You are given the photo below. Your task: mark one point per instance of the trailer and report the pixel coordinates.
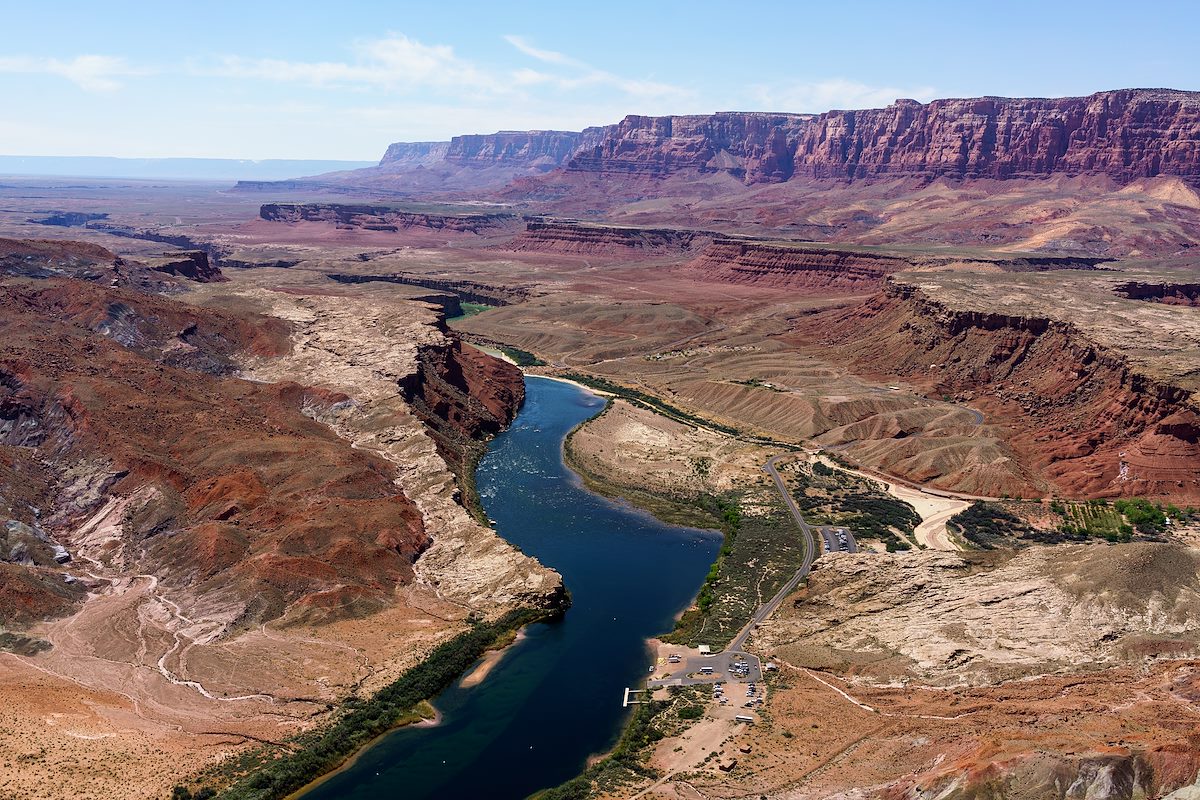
(744, 718)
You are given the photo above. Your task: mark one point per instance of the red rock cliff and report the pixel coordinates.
(1126, 134)
(543, 149)
(1085, 419)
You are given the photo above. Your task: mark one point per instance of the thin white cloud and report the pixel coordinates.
(548, 56)
(585, 75)
(90, 72)
(395, 62)
(833, 93)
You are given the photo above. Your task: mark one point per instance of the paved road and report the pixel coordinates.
(833, 541)
(687, 672)
(810, 554)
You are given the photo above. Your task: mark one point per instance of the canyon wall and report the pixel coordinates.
(568, 236)
(543, 149)
(379, 218)
(1084, 418)
(792, 266)
(1125, 134)
(414, 154)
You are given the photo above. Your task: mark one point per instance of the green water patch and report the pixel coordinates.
(469, 310)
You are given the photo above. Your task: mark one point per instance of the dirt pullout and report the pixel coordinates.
(935, 510)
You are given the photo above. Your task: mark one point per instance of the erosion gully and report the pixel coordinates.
(554, 700)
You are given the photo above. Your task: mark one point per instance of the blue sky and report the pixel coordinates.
(342, 80)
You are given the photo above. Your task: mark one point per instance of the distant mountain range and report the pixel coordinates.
(207, 169)
(1125, 134)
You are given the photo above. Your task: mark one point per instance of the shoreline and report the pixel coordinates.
(360, 752)
(470, 679)
(577, 384)
(489, 662)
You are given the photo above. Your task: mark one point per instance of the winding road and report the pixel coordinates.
(810, 555)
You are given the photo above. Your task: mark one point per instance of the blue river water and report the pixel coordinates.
(555, 698)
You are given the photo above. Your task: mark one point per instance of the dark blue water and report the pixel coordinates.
(555, 698)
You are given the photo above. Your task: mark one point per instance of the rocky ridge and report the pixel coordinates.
(379, 218)
(1125, 134)
(1091, 420)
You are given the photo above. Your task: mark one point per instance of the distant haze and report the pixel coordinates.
(207, 169)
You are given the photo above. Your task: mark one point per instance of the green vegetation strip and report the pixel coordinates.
(268, 774)
(522, 358)
(627, 764)
(988, 525)
(648, 401)
(762, 551)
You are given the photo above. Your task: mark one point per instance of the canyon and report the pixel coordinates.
(239, 427)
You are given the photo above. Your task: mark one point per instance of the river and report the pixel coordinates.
(555, 698)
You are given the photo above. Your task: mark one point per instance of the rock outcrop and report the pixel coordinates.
(570, 236)
(380, 218)
(1172, 294)
(1125, 134)
(464, 396)
(793, 266)
(1088, 419)
(191, 264)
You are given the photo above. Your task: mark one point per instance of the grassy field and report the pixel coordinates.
(762, 551)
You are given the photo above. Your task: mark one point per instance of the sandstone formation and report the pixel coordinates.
(1175, 294)
(379, 218)
(1126, 134)
(414, 154)
(1087, 416)
(548, 235)
(539, 150)
(793, 266)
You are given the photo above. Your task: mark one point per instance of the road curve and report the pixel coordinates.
(810, 554)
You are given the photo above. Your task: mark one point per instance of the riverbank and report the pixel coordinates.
(554, 698)
(267, 774)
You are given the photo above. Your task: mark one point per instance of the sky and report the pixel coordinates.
(260, 79)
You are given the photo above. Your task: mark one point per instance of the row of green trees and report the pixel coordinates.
(321, 751)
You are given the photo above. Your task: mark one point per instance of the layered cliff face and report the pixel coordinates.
(1087, 420)
(1174, 294)
(465, 397)
(1126, 134)
(543, 150)
(568, 236)
(379, 218)
(759, 147)
(793, 266)
(413, 154)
